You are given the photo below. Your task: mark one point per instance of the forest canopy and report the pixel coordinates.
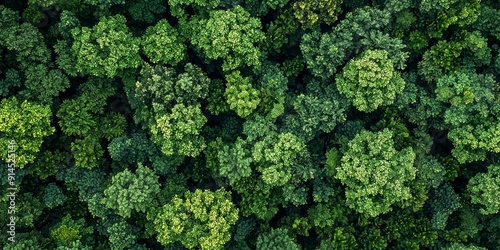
(247, 124)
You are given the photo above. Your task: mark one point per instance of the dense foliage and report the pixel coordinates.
(249, 124)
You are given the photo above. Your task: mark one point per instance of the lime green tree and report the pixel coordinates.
(162, 43)
(106, 48)
(26, 124)
(231, 35)
(240, 95)
(484, 189)
(179, 131)
(68, 231)
(201, 219)
(375, 174)
(471, 116)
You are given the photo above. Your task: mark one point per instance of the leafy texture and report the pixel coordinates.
(162, 43)
(240, 95)
(231, 35)
(376, 176)
(26, 124)
(201, 219)
(370, 81)
(484, 189)
(178, 132)
(106, 48)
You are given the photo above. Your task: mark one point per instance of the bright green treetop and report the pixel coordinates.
(201, 219)
(27, 124)
(472, 115)
(485, 190)
(370, 81)
(179, 132)
(106, 48)
(231, 35)
(163, 44)
(240, 94)
(375, 174)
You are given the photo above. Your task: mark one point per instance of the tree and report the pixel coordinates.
(489, 21)
(68, 21)
(407, 230)
(370, 81)
(327, 216)
(179, 132)
(276, 239)
(443, 202)
(460, 246)
(159, 88)
(12, 81)
(163, 43)
(471, 116)
(376, 176)
(464, 50)
(234, 162)
(102, 4)
(68, 231)
(28, 210)
(131, 192)
(217, 104)
(53, 196)
(121, 235)
(273, 87)
(418, 104)
(43, 84)
(255, 7)
(137, 148)
(257, 197)
(484, 189)
(282, 31)
(361, 30)
(146, 11)
(26, 124)
(280, 158)
(230, 35)
(112, 125)
(87, 152)
(48, 163)
(446, 13)
(320, 110)
(430, 171)
(106, 48)
(342, 239)
(75, 118)
(240, 95)
(25, 40)
(200, 219)
(179, 8)
(277, 158)
(128, 149)
(311, 13)
(26, 241)
(89, 184)
(243, 231)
